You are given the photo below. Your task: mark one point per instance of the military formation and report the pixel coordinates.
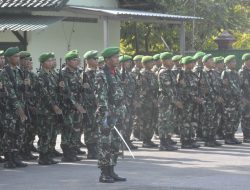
(197, 98)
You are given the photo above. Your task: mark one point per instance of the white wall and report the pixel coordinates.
(86, 36)
(7, 36)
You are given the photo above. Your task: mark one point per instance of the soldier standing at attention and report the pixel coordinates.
(110, 112)
(245, 93)
(232, 97)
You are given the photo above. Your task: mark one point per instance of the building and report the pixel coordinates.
(60, 25)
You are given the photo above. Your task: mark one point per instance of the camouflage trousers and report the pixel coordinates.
(46, 131)
(90, 127)
(71, 129)
(128, 121)
(245, 121)
(13, 135)
(209, 123)
(109, 141)
(137, 123)
(149, 120)
(165, 118)
(188, 126)
(231, 117)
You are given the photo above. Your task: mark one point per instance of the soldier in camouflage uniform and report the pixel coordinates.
(219, 68)
(110, 112)
(29, 97)
(231, 93)
(100, 62)
(176, 70)
(198, 111)
(2, 106)
(244, 74)
(90, 126)
(135, 73)
(148, 96)
(212, 95)
(71, 103)
(14, 117)
(167, 101)
(48, 110)
(129, 83)
(187, 89)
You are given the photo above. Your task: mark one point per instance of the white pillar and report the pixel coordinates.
(105, 32)
(182, 38)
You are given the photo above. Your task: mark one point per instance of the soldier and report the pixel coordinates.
(231, 93)
(187, 81)
(71, 103)
(198, 110)
(1, 105)
(110, 112)
(167, 101)
(219, 68)
(88, 80)
(48, 110)
(129, 83)
(244, 73)
(176, 70)
(157, 63)
(212, 95)
(15, 116)
(148, 97)
(30, 101)
(135, 73)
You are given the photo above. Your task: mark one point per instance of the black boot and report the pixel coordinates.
(105, 175)
(17, 160)
(9, 161)
(44, 159)
(50, 158)
(33, 148)
(235, 140)
(114, 175)
(55, 153)
(92, 153)
(170, 141)
(79, 151)
(27, 155)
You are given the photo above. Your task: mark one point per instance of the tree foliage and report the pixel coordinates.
(219, 15)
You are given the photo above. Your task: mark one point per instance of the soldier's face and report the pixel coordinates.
(14, 59)
(247, 64)
(220, 66)
(114, 60)
(2, 61)
(73, 63)
(232, 65)
(168, 63)
(93, 62)
(48, 64)
(138, 64)
(127, 64)
(149, 65)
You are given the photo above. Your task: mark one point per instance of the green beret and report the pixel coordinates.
(137, 58)
(109, 52)
(187, 60)
(92, 54)
(24, 54)
(44, 57)
(199, 55)
(73, 54)
(166, 55)
(100, 59)
(124, 58)
(229, 58)
(11, 51)
(146, 59)
(206, 58)
(218, 60)
(246, 57)
(177, 58)
(156, 57)
(52, 55)
(1, 52)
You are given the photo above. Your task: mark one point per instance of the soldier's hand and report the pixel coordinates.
(86, 85)
(62, 84)
(220, 99)
(199, 100)
(182, 82)
(137, 104)
(179, 104)
(225, 82)
(1, 85)
(27, 82)
(80, 108)
(21, 114)
(57, 110)
(244, 101)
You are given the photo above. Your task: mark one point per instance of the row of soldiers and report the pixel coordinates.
(193, 96)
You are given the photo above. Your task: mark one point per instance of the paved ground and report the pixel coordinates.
(206, 168)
